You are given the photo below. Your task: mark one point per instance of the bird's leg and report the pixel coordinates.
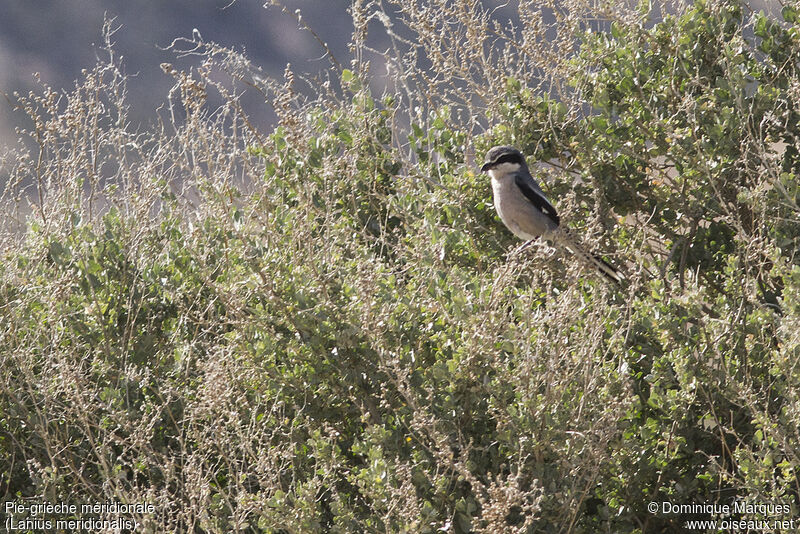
(521, 248)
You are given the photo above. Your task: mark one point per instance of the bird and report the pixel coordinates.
(525, 210)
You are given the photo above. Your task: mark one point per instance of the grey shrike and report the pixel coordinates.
(525, 210)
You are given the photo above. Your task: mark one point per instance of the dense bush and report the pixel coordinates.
(320, 329)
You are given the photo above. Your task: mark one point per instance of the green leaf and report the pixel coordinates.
(615, 31)
(345, 137)
(790, 14)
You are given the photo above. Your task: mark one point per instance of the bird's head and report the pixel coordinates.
(504, 159)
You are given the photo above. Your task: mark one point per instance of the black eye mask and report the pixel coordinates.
(509, 158)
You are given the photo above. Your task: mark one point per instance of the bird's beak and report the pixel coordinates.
(486, 166)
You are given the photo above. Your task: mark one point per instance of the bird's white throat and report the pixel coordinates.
(504, 168)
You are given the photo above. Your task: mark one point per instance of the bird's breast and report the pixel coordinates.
(508, 205)
(518, 214)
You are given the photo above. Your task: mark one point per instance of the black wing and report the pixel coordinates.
(536, 198)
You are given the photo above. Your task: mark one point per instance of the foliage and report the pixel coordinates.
(319, 329)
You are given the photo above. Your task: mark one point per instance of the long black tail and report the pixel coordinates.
(566, 239)
(608, 270)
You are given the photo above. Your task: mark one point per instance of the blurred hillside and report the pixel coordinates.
(58, 39)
